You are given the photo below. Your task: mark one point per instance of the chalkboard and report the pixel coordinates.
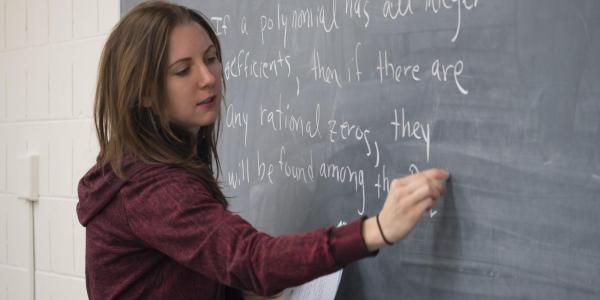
(327, 101)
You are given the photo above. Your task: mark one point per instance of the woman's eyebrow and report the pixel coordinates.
(187, 59)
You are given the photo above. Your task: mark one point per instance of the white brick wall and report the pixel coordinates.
(16, 243)
(61, 81)
(37, 22)
(60, 20)
(49, 51)
(2, 24)
(16, 23)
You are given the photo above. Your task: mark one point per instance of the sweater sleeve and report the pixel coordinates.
(175, 214)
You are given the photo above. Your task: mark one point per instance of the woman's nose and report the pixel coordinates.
(206, 78)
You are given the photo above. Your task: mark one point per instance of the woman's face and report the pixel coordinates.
(194, 78)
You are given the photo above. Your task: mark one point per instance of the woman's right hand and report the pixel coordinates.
(407, 200)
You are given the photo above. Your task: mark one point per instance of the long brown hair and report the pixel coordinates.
(130, 107)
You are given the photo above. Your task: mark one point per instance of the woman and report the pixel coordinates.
(157, 225)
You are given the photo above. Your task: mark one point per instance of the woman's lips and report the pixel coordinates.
(206, 103)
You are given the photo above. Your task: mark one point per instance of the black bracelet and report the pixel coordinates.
(381, 231)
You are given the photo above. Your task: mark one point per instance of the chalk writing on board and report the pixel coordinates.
(395, 9)
(283, 118)
(264, 169)
(436, 6)
(322, 72)
(406, 129)
(235, 179)
(387, 69)
(235, 119)
(358, 9)
(304, 173)
(221, 24)
(321, 17)
(245, 65)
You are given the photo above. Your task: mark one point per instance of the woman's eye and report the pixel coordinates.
(212, 59)
(182, 72)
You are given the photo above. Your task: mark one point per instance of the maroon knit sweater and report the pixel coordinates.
(161, 235)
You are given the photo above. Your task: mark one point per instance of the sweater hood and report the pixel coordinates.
(98, 188)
